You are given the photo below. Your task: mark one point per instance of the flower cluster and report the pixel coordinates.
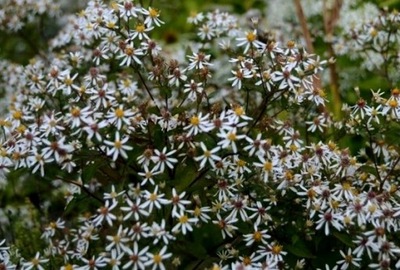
(228, 163)
(15, 14)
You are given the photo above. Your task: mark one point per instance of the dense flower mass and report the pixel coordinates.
(227, 157)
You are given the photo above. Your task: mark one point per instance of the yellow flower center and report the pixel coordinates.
(241, 163)
(311, 193)
(21, 129)
(3, 152)
(290, 44)
(373, 32)
(68, 267)
(266, 75)
(119, 113)
(232, 136)
(246, 260)
(111, 25)
(118, 144)
(267, 166)
(117, 238)
(129, 51)
(216, 267)
(239, 111)
(126, 82)
(251, 37)
(140, 28)
(35, 261)
(68, 81)
(183, 219)
(153, 13)
(395, 91)
(197, 211)
(335, 204)
(257, 236)
(289, 175)
(293, 148)
(372, 208)
(153, 197)
(17, 115)
(75, 112)
(393, 103)
(276, 249)
(157, 258)
(331, 145)
(346, 186)
(194, 121)
(347, 220)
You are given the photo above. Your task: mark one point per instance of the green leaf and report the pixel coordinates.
(344, 238)
(368, 169)
(389, 3)
(301, 250)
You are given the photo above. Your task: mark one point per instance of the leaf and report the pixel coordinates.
(389, 3)
(344, 238)
(301, 250)
(368, 169)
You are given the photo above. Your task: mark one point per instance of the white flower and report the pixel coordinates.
(328, 219)
(198, 124)
(35, 263)
(250, 41)
(152, 17)
(208, 156)
(163, 158)
(118, 147)
(129, 55)
(156, 259)
(184, 224)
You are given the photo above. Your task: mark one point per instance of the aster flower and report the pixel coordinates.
(198, 124)
(226, 225)
(119, 116)
(206, 32)
(208, 156)
(250, 41)
(269, 168)
(128, 9)
(239, 75)
(285, 78)
(134, 209)
(178, 203)
(140, 32)
(184, 223)
(105, 214)
(199, 60)
(348, 260)
(118, 147)
(229, 139)
(118, 242)
(162, 159)
(114, 261)
(152, 17)
(130, 55)
(156, 259)
(154, 199)
(35, 263)
(328, 219)
(93, 263)
(193, 89)
(137, 257)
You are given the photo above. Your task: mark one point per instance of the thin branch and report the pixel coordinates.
(331, 15)
(304, 26)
